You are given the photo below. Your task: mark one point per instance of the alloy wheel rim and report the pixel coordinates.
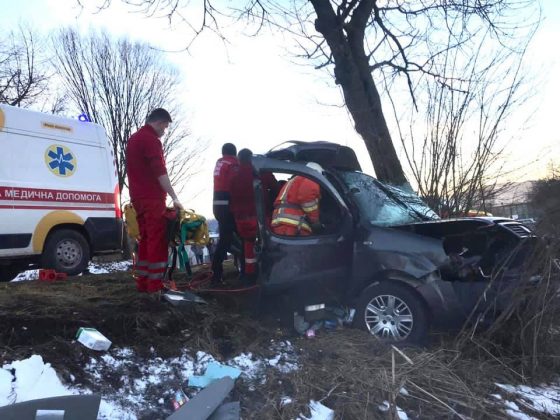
(389, 317)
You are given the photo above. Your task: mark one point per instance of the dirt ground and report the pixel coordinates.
(346, 369)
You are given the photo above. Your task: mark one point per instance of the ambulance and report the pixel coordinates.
(59, 194)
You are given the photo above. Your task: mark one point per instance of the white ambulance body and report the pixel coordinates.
(59, 195)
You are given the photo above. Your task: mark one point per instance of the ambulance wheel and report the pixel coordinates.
(66, 251)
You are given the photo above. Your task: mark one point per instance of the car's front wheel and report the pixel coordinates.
(392, 312)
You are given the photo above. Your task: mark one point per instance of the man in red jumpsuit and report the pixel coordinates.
(296, 209)
(148, 185)
(243, 207)
(226, 224)
(244, 211)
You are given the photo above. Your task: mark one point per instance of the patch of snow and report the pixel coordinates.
(5, 387)
(138, 376)
(93, 268)
(31, 379)
(110, 411)
(124, 352)
(109, 267)
(385, 406)
(249, 368)
(319, 412)
(402, 414)
(285, 401)
(27, 275)
(404, 392)
(512, 410)
(544, 398)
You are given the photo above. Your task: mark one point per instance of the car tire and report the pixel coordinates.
(66, 251)
(392, 312)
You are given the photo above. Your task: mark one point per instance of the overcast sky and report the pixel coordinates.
(250, 92)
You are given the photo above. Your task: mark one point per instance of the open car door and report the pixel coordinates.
(319, 262)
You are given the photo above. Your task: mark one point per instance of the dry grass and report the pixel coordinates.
(346, 369)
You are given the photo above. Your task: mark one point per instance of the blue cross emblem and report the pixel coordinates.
(61, 161)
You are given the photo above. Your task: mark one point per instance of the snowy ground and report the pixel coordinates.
(33, 378)
(93, 268)
(521, 398)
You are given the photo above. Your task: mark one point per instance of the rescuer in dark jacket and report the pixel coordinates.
(222, 180)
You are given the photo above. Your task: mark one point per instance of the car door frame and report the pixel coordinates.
(321, 260)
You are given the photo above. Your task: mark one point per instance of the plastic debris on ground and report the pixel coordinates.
(93, 339)
(179, 399)
(214, 371)
(317, 317)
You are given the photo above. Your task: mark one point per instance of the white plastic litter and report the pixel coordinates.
(93, 339)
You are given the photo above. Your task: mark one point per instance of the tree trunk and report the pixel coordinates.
(353, 74)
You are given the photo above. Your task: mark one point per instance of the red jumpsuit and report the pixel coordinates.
(223, 171)
(296, 208)
(244, 212)
(145, 163)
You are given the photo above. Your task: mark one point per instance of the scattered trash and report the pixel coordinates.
(179, 399)
(329, 317)
(331, 324)
(51, 275)
(350, 317)
(209, 403)
(300, 325)
(315, 312)
(214, 371)
(180, 298)
(93, 339)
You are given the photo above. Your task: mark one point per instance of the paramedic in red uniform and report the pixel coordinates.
(245, 212)
(226, 224)
(148, 185)
(296, 209)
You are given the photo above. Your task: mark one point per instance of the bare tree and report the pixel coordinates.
(456, 145)
(23, 78)
(396, 39)
(116, 83)
(545, 199)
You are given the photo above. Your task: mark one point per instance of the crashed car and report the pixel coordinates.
(381, 250)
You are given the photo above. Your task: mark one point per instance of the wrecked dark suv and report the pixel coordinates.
(381, 250)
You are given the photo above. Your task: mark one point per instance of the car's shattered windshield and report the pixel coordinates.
(384, 205)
